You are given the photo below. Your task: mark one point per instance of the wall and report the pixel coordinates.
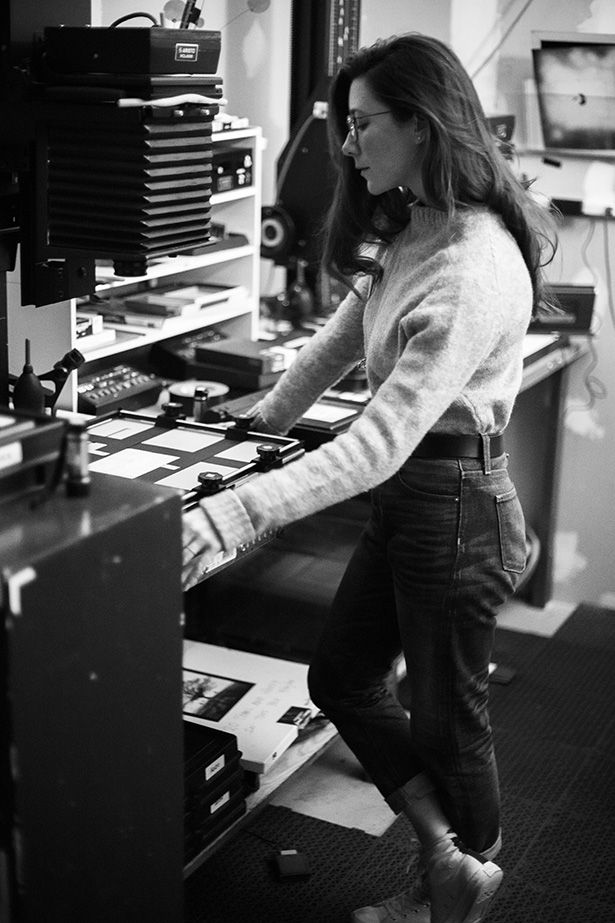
(256, 69)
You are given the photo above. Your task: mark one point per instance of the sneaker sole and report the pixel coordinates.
(406, 907)
(481, 901)
(419, 913)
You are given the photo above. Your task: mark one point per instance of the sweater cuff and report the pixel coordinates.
(229, 518)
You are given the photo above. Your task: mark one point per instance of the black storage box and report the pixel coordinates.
(132, 50)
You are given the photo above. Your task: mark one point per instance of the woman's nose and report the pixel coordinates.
(349, 145)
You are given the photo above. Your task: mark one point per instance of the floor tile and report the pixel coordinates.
(334, 788)
(519, 616)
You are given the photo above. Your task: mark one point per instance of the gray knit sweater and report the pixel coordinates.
(442, 335)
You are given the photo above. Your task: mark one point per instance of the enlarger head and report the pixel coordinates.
(115, 159)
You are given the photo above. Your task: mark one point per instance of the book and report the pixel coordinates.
(116, 317)
(242, 353)
(159, 304)
(153, 308)
(262, 700)
(204, 293)
(114, 314)
(181, 302)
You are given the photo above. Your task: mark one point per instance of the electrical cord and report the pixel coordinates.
(595, 388)
(492, 31)
(607, 268)
(258, 836)
(502, 40)
(129, 16)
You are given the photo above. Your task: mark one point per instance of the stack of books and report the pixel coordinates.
(154, 307)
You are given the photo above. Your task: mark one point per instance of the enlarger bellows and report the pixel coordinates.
(125, 127)
(129, 184)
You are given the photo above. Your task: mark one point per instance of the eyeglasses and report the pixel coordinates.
(353, 122)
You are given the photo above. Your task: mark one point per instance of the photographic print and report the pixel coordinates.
(212, 697)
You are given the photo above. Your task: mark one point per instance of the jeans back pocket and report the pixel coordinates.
(511, 525)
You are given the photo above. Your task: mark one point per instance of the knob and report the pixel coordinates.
(171, 413)
(210, 482)
(243, 421)
(268, 454)
(172, 409)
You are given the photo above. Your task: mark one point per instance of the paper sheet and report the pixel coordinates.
(183, 440)
(119, 429)
(132, 463)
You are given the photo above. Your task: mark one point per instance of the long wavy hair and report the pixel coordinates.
(418, 75)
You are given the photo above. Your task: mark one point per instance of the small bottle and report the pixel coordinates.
(200, 404)
(301, 300)
(77, 461)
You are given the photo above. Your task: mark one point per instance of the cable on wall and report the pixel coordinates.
(607, 269)
(502, 40)
(493, 31)
(596, 389)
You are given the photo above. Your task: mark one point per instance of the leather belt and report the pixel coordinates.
(441, 445)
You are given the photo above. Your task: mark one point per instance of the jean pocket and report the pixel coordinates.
(511, 525)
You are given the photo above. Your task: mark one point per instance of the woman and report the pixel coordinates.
(445, 248)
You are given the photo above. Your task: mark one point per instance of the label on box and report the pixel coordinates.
(186, 52)
(214, 767)
(226, 797)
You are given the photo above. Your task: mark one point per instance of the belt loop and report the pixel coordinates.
(486, 453)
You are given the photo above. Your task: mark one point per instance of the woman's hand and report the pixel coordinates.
(200, 545)
(259, 424)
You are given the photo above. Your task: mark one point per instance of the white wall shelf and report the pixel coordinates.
(135, 338)
(172, 266)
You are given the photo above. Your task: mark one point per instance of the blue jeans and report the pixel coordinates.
(443, 549)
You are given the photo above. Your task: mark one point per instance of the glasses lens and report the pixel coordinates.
(351, 124)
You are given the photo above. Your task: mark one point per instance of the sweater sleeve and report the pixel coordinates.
(427, 377)
(328, 356)
(436, 342)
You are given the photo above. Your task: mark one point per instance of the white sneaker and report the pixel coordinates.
(410, 906)
(461, 883)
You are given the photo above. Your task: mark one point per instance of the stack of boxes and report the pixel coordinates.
(214, 786)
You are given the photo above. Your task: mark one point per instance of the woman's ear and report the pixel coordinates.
(420, 128)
